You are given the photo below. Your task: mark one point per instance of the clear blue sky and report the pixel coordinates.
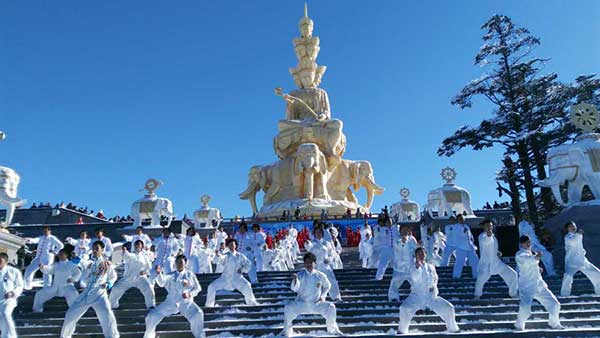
(96, 97)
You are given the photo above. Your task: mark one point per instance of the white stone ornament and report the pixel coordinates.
(207, 217)
(405, 210)
(585, 117)
(404, 192)
(151, 207)
(450, 198)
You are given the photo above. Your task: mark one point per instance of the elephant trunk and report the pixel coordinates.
(12, 200)
(554, 182)
(250, 195)
(372, 189)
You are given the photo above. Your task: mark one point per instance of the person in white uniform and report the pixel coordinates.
(490, 263)
(64, 274)
(575, 260)
(234, 264)
(137, 268)
(323, 250)
(450, 248)
(257, 242)
(81, 246)
(312, 287)
(205, 257)
(465, 248)
(99, 275)
(108, 248)
(366, 234)
(191, 245)
(403, 261)
(221, 236)
(139, 235)
(47, 246)
(10, 289)
(386, 234)
(424, 294)
(166, 247)
(182, 286)
(532, 286)
(292, 237)
(526, 229)
(242, 238)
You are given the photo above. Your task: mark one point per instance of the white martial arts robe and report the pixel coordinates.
(526, 229)
(245, 247)
(177, 283)
(404, 253)
(465, 250)
(323, 250)
(490, 264)
(137, 267)
(62, 272)
(312, 288)
(257, 242)
(81, 247)
(95, 296)
(575, 260)
(47, 247)
(165, 251)
(191, 246)
(205, 257)
(383, 247)
(365, 247)
(234, 264)
(532, 286)
(423, 295)
(134, 238)
(12, 281)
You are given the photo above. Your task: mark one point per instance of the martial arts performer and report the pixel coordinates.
(139, 235)
(403, 261)
(81, 246)
(10, 289)
(108, 248)
(166, 247)
(242, 237)
(312, 287)
(191, 245)
(386, 234)
(47, 246)
(465, 248)
(257, 242)
(532, 286)
(182, 286)
(424, 294)
(366, 234)
(221, 236)
(526, 229)
(575, 260)
(292, 237)
(449, 231)
(64, 274)
(323, 250)
(490, 263)
(234, 264)
(137, 268)
(99, 275)
(205, 257)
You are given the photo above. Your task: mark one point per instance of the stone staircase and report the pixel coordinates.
(364, 312)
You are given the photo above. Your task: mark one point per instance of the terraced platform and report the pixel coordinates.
(364, 312)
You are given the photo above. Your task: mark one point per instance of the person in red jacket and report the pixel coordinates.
(269, 241)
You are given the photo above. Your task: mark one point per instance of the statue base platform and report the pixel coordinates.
(10, 244)
(587, 217)
(310, 207)
(441, 222)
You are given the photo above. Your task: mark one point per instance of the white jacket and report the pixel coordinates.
(488, 249)
(311, 287)
(424, 280)
(529, 272)
(63, 271)
(404, 254)
(463, 237)
(81, 247)
(165, 248)
(574, 251)
(177, 283)
(323, 250)
(191, 245)
(234, 262)
(135, 263)
(384, 236)
(11, 280)
(47, 247)
(96, 280)
(134, 238)
(257, 240)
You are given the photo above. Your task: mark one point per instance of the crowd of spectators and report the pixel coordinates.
(496, 205)
(83, 210)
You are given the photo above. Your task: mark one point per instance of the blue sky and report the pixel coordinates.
(96, 97)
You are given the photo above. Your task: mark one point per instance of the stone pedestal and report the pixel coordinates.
(10, 244)
(587, 217)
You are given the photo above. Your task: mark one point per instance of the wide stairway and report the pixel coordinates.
(364, 312)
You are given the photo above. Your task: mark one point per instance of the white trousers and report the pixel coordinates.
(189, 310)
(485, 271)
(448, 251)
(45, 294)
(385, 258)
(102, 308)
(32, 269)
(7, 325)
(461, 256)
(398, 279)
(230, 283)
(141, 283)
(439, 305)
(543, 295)
(296, 307)
(588, 269)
